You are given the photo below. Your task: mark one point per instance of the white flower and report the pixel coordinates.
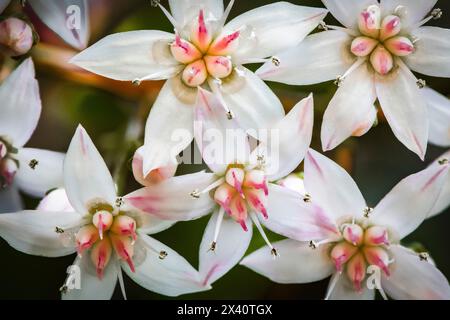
(357, 239)
(204, 51)
(371, 58)
(34, 171)
(16, 37)
(239, 191)
(106, 234)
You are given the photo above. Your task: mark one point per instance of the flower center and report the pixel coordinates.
(104, 233)
(380, 40)
(204, 55)
(359, 248)
(8, 164)
(242, 191)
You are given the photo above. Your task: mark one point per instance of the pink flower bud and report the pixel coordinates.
(195, 74)
(354, 234)
(256, 179)
(85, 238)
(218, 66)
(376, 236)
(201, 36)
(102, 220)
(378, 257)
(363, 46)
(223, 196)
(16, 37)
(124, 226)
(225, 45)
(235, 178)
(356, 270)
(258, 201)
(341, 253)
(400, 46)
(123, 246)
(184, 51)
(369, 21)
(381, 60)
(100, 256)
(390, 26)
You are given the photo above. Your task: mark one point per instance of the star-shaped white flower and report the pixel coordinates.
(107, 234)
(34, 171)
(357, 240)
(239, 190)
(371, 57)
(203, 52)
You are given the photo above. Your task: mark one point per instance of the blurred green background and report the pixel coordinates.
(377, 161)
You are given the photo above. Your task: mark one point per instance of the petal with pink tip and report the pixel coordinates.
(405, 108)
(211, 127)
(411, 13)
(292, 217)
(86, 177)
(172, 200)
(439, 114)
(21, 104)
(405, 207)
(325, 56)
(432, 52)
(414, 279)
(128, 56)
(277, 27)
(347, 11)
(296, 263)
(331, 187)
(351, 111)
(33, 232)
(168, 131)
(171, 276)
(91, 287)
(343, 289)
(47, 174)
(232, 244)
(154, 176)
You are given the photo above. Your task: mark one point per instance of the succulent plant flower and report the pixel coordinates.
(362, 250)
(203, 52)
(371, 57)
(107, 235)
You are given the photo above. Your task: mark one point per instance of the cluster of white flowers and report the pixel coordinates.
(330, 230)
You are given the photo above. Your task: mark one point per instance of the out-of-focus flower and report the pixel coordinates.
(439, 113)
(106, 233)
(371, 58)
(34, 171)
(203, 52)
(238, 189)
(16, 37)
(360, 240)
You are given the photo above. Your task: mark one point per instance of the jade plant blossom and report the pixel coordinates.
(34, 171)
(357, 241)
(371, 58)
(239, 191)
(107, 235)
(203, 52)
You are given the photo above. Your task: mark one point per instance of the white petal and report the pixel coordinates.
(351, 111)
(185, 10)
(343, 289)
(168, 131)
(56, 200)
(277, 26)
(171, 199)
(33, 232)
(219, 139)
(10, 200)
(320, 57)
(411, 13)
(296, 263)
(172, 276)
(439, 115)
(128, 56)
(86, 176)
(405, 108)
(294, 218)
(443, 200)
(91, 287)
(3, 4)
(154, 176)
(347, 11)
(232, 244)
(432, 54)
(46, 175)
(331, 187)
(404, 208)
(288, 140)
(414, 279)
(253, 103)
(21, 104)
(152, 225)
(68, 18)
